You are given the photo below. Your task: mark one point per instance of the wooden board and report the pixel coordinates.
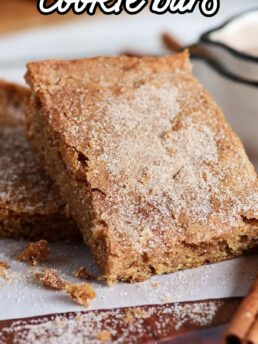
(143, 324)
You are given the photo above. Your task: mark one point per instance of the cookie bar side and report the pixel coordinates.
(29, 207)
(65, 167)
(53, 228)
(11, 102)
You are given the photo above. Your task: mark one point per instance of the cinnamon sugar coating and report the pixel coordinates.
(3, 267)
(50, 279)
(153, 174)
(30, 206)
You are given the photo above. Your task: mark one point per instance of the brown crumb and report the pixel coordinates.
(4, 266)
(166, 299)
(103, 335)
(80, 292)
(156, 284)
(50, 279)
(138, 313)
(129, 316)
(83, 274)
(35, 252)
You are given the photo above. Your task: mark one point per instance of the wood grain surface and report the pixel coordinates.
(142, 327)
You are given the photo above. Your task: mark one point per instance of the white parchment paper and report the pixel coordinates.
(22, 295)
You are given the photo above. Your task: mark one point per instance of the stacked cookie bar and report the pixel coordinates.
(153, 174)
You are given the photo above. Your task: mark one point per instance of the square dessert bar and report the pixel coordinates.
(153, 174)
(30, 207)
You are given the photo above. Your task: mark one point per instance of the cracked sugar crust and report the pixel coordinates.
(11, 105)
(162, 164)
(24, 186)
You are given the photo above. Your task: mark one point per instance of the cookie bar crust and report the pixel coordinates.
(30, 207)
(153, 174)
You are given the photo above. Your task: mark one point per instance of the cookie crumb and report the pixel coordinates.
(103, 335)
(166, 299)
(80, 292)
(4, 266)
(129, 316)
(50, 279)
(156, 284)
(83, 274)
(35, 252)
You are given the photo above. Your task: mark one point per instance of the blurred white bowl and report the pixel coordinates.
(235, 45)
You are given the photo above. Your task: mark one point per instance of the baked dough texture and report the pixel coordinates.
(30, 206)
(153, 174)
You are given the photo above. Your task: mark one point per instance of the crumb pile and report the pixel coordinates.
(36, 253)
(79, 292)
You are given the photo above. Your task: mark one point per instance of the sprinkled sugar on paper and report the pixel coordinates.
(23, 295)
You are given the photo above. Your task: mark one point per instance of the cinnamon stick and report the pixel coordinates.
(252, 337)
(170, 42)
(243, 328)
(132, 53)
